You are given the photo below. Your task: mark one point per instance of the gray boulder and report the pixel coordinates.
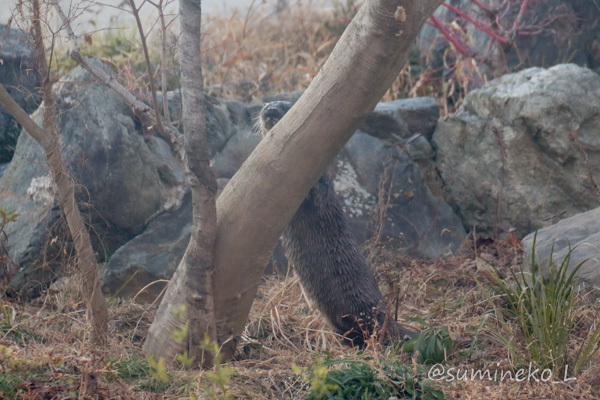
(223, 118)
(19, 77)
(151, 256)
(358, 169)
(390, 120)
(120, 187)
(403, 117)
(411, 218)
(238, 148)
(514, 154)
(579, 234)
(376, 179)
(3, 168)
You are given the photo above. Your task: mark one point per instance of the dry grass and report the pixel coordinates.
(262, 52)
(50, 352)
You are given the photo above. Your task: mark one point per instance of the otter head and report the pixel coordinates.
(271, 113)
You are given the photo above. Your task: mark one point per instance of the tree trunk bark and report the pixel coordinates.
(86, 258)
(144, 112)
(190, 289)
(262, 197)
(48, 138)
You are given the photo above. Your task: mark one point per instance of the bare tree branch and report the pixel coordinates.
(163, 57)
(22, 117)
(136, 14)
(48, 140)
(86, 258)
(144, 112)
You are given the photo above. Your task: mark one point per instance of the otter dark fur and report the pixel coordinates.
(331, 267)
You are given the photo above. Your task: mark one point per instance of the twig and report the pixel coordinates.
(136, 15)
(163, 57)
(519, 18)
(21, 116)
(482, 6)
(458, 44)
(48, 139)
(141, 109)
(484, 28)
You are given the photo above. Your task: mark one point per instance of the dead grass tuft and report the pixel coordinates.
(50, 355)
(264, 52)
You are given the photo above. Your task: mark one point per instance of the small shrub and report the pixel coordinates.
(159, 380)
(431, 346)
(369, 379)
(220, 376)
(9, 386)
(11, 330)
(120, 46)
(129, 368)
(154, 385)
(158, 369)
(546, 311)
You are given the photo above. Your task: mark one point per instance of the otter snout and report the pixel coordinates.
(272, 112)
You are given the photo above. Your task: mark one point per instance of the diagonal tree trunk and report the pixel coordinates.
(262, 197)
(188, 300)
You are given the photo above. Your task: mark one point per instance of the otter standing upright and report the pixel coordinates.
(331, 267)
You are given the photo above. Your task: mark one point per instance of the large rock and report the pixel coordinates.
(223, 118)
(579, 234)
(238, 148)
(384, 194)
(19, 77)
(151, 256)
(514, 154)
(403, 118)
(3, 168)
(410, 217)
(119, 184)
(390, 120)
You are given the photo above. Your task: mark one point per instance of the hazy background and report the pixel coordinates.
(108, 15)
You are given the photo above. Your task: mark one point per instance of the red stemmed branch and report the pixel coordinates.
(484, 28)
(458, 44)
(520, 16)
(532, 30)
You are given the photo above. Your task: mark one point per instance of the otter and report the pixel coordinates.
(331, 268)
